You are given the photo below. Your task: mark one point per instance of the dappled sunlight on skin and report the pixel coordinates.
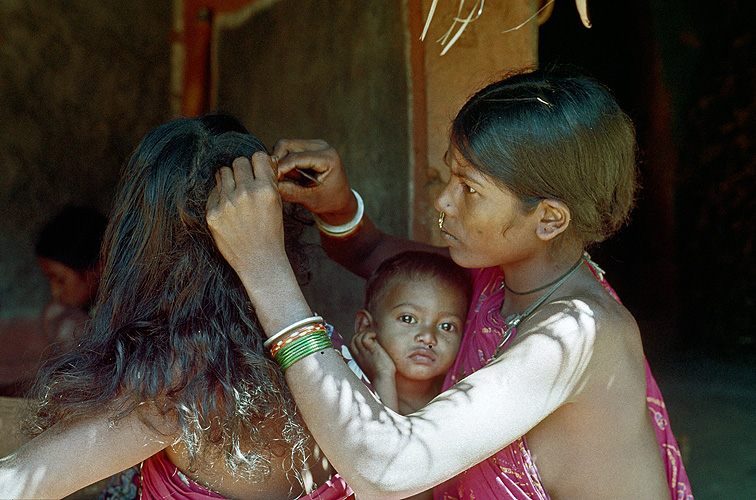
(610, 382)
(564, 332)
(387, 471)
(373, 447)
(50, 465)
(573, 329)
(15, 484)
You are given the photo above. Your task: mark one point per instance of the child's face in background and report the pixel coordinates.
(419, 324)
(68, 286)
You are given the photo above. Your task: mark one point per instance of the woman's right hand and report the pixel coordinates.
(330, 197)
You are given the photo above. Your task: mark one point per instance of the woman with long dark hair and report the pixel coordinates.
(171, 373)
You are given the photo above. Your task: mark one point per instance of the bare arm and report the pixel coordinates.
(66, 458)
(335, 204)
(374, 448)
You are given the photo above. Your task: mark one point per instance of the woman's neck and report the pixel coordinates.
(527, 280)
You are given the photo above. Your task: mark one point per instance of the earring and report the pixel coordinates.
(441, 216)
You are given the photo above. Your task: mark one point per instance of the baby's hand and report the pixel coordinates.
(371, 357)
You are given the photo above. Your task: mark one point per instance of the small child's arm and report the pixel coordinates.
(377, 365)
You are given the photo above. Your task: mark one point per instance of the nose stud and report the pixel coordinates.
(441, 216)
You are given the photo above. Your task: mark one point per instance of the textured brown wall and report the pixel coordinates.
(334, 70)
(481, 55)
(81, 81)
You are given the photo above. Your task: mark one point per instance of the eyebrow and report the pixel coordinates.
(469, 174)
(466, 172)
(417, 307)
(405, 304)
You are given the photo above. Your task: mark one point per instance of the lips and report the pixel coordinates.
(447, 236)
(422, 356)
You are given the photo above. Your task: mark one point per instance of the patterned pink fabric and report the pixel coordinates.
(162, 480)
(511, 473)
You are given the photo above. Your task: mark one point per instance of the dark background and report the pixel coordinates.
(685, 71)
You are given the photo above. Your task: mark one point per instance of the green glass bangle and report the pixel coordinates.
(285, 364)
(303, 347)
(301, 343)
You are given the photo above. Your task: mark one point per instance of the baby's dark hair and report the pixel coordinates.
(415, 265)
(554, 133)
(73, 237)
(173, 326)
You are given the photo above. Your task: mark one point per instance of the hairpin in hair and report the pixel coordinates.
(543, 101)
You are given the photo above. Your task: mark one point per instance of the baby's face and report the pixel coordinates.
(419, 323)
(67, 286)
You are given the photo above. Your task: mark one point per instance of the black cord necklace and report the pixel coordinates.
(542, 287)
(514, 319)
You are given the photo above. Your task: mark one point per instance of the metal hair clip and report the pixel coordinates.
(543, 101)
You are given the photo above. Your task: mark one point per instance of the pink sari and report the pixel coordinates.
(511, 472)
(162, 480)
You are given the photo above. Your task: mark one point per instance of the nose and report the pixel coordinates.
(426, 337)
(443, 200)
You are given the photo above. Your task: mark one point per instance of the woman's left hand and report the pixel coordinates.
(244, 213)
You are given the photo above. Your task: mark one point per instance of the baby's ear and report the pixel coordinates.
(554, 218)
(363, 320)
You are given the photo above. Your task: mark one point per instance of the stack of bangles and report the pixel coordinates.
(298, 341)
(347, 229)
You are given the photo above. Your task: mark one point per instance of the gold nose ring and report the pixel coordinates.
(441, 216)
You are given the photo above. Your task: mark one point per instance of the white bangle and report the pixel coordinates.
(344, 229)
(294, 326)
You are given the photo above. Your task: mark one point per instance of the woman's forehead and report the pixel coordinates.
(461, 167)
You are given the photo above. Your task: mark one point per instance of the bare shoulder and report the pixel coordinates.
(596, 336)
(606, 408)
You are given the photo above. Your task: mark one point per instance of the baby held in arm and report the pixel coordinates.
(408, 335)
(542, 166)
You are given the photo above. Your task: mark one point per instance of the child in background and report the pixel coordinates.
(408, 335)
(68, 250)
(171, 374)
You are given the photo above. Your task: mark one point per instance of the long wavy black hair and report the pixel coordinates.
(172, 324)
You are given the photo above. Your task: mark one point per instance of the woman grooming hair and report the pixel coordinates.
(550, 396)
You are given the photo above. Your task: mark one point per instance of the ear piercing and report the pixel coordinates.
(441, 216)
